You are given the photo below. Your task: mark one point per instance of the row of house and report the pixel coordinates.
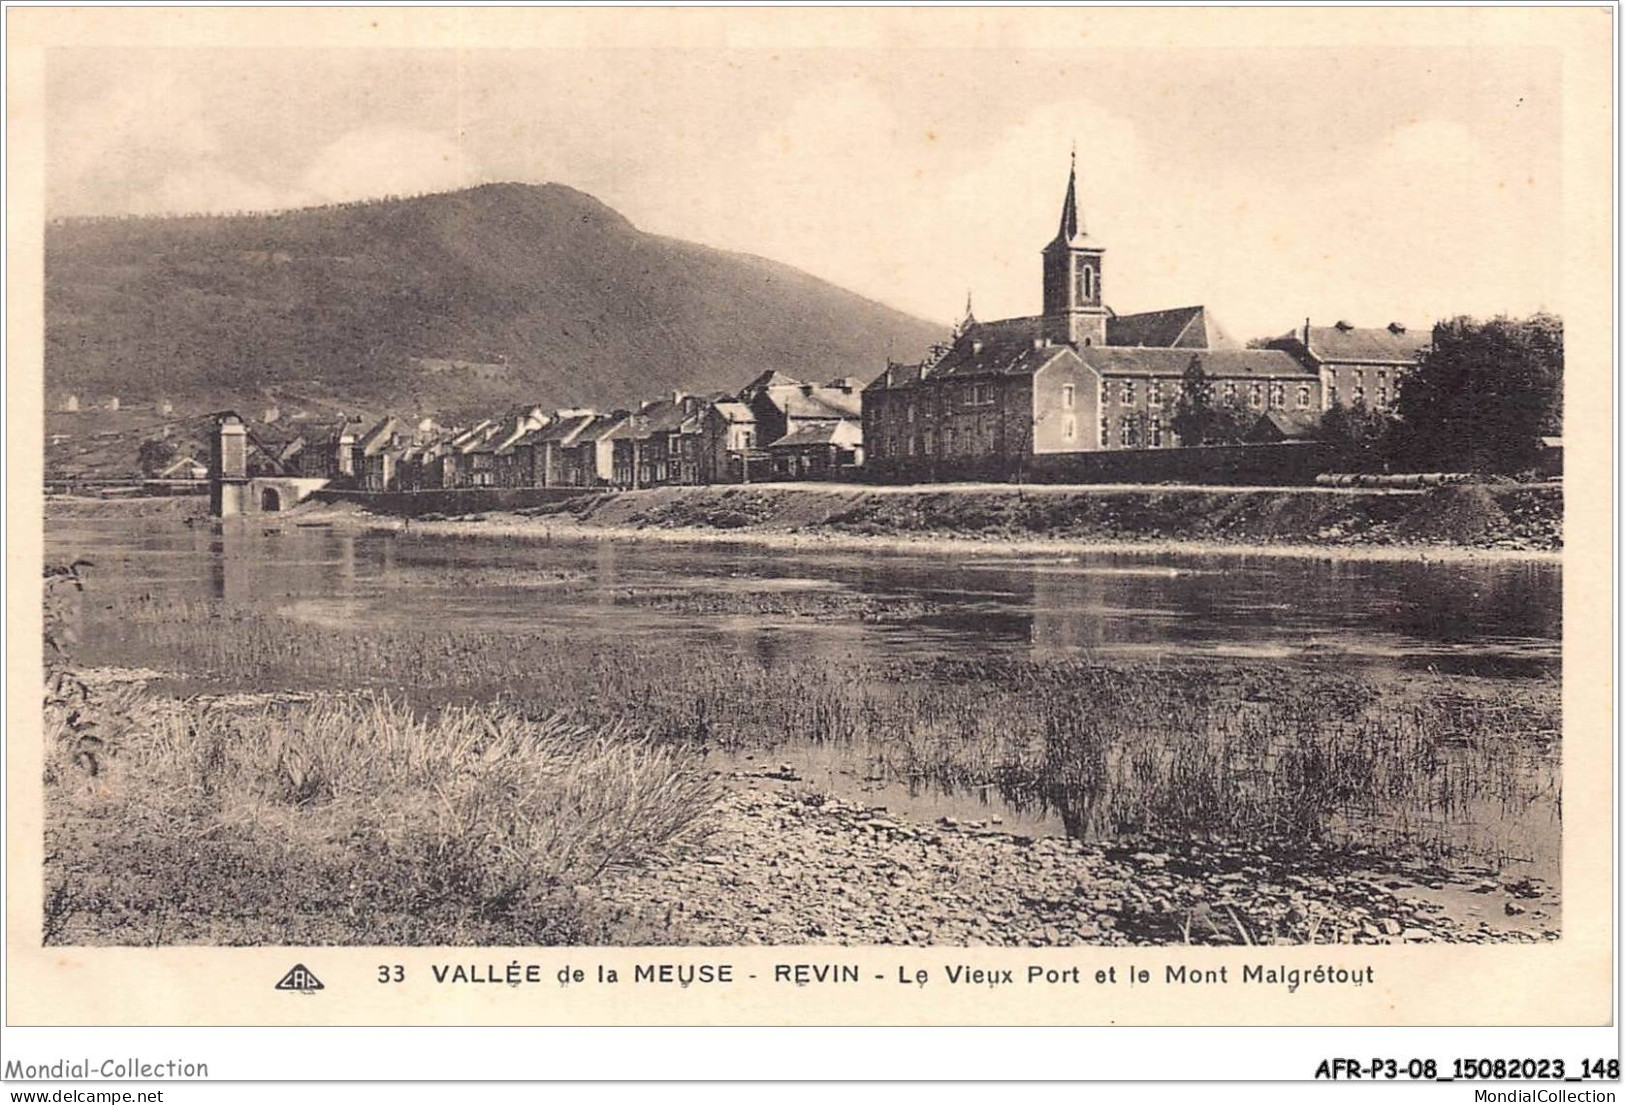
(775, 427)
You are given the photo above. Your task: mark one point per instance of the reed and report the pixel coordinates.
(1453, 769)
(355, 819)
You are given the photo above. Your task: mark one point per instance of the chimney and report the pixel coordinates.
(1306, 332)
(678, 397)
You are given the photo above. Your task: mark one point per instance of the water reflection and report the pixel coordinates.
(1482, 617)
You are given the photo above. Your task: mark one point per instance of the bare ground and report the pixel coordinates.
(788, 866)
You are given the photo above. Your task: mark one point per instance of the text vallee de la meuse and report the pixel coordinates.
(953, 974)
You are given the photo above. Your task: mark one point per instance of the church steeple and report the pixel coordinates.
(1071, 225)
(1074, 310)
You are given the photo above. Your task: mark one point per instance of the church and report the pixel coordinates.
(1076, 378)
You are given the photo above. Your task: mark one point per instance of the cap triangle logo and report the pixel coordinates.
(302, 979)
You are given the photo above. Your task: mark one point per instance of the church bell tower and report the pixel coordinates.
(1074, 311)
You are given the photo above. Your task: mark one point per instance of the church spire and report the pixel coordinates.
(1074, 310)
(1071, 224)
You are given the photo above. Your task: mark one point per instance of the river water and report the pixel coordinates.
(1469, 617)
(1497, 619)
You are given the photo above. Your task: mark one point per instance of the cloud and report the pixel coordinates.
(1004, 204)
(208, 188)
(387, 160)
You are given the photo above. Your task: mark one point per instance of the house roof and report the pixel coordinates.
(375, 438)
(772, 378)
(662, 416)
(1391, 344)
(734, 412)
(821, 433)
(564, 431)
(1177, 327)
(189, 464)
(896, 376)
(811, 401)
(1135, 361)
(602, 427)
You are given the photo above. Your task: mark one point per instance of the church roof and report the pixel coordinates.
(1010, 347)
(1177, 327)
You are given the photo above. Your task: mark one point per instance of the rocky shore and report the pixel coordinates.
(786, 865)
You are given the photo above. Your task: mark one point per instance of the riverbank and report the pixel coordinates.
(325, 841)
(1523, 521)
(786, 864)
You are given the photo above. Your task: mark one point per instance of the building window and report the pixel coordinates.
(1067, 394)
(1154, 393)
(1128, 393)
(911, 412)
(1382, 397)
(948, 441)
(1123, 432)
(1358, 397)
(1277, 395)
(1331, 395)
(1084, 283)
(1156, 433)
(1255, 396)
(1069, 429)
(1303, 397)
(1105, 432)
(1229, 391)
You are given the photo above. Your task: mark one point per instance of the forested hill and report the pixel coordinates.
(448, 303)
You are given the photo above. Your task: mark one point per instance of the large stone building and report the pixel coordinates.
(1076, 378)
(1356, 365)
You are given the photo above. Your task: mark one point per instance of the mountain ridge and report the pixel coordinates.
(447, 304)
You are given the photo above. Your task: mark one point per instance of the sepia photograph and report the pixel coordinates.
(1059, 492)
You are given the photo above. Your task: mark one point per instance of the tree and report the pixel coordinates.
(1193, 411)
(1364, 439)
(1485, 392)
(1229, 422)
(155, 454)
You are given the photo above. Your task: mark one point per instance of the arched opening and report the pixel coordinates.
(270, 501)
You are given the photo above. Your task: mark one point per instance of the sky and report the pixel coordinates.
(1270, 184)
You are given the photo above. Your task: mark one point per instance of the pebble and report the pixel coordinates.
(784, 867)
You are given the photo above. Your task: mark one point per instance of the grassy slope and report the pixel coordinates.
(335, 301)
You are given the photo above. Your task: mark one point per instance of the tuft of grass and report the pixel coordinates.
(356, 820)
(1454, 770)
